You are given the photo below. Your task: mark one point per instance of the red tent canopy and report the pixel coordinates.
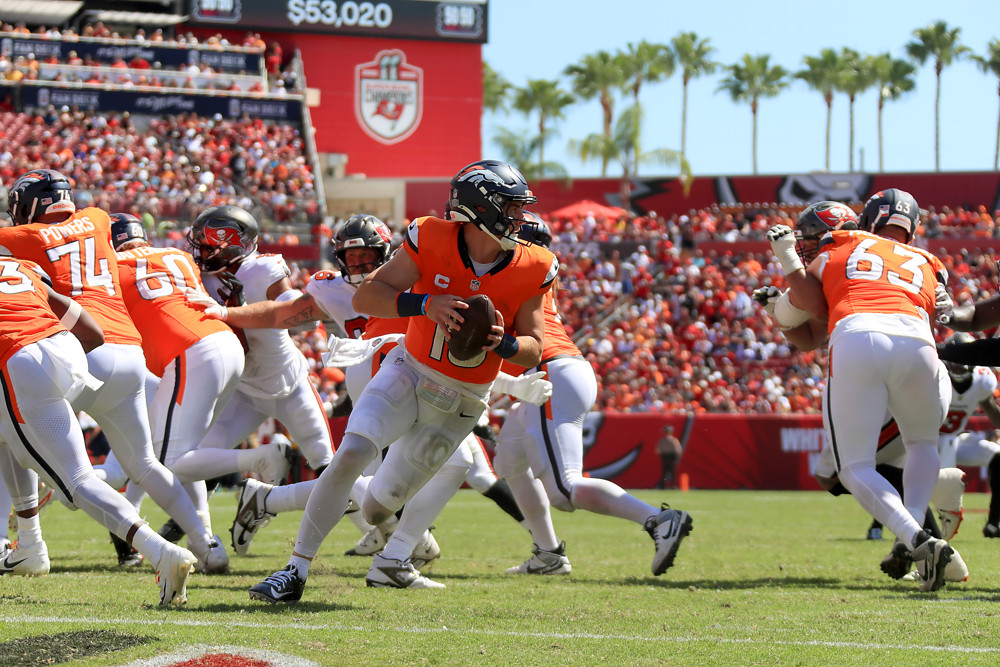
(586, 207)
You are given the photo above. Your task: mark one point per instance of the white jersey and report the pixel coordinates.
(274, 364)
(964, 404)
(334, 294)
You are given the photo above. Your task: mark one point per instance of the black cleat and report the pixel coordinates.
(282, 586)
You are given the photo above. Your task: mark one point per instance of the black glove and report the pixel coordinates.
(231, 291)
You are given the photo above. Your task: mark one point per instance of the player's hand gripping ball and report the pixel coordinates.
(473, 334)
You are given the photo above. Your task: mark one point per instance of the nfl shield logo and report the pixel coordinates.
(474, 285)
(389, 97)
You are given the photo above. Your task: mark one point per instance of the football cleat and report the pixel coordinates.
(282, 586)
(172, 574)
(897, 563)
(667, 529)
(544, 562)
(874, 533)
(171, 531)
(251, 514)
(391, 573)
(273, 463)
(991, 530)
(127, 554)
(931, 558)
(30, 561)
(950, 521)
(426, 551)
(215, 559)
(370, 543)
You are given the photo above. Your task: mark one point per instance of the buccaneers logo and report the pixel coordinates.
(835, 215)
(389, 97)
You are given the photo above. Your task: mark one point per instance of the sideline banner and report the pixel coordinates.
(104, 51)
(154, 103)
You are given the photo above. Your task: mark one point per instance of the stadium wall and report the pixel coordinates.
(667, 196)
(721, 451)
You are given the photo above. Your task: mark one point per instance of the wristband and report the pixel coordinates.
(72, 315)
(508, 346)
(409, 304)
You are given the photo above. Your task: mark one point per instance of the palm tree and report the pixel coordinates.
(496, 89)
(750, 80)
(692, 54)
(823, 74)
(939, 42)
(856, 78)
(518, 149)
(621, 148)
(549, 100)
(894, 77)
(640, 63)
(596, 76)
(990, 64)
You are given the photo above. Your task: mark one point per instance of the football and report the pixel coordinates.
(469, 339)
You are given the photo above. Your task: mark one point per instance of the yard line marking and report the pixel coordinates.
(494, 633)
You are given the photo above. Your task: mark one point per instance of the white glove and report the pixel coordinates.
(344, 352)
(943, 305)
(766, 297)
(782, 240)
(531, 388)
(212, 307)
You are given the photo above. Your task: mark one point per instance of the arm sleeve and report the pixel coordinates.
(985, 352)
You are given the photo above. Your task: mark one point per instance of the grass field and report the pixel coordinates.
(765, 578)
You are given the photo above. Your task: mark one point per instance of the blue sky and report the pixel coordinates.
(536, 39)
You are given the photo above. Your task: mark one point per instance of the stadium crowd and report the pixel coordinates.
(174, 169)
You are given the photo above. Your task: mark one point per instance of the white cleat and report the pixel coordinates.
(215, 560)
(931, 558)
(544, 562)
(950, 521)
(426, 552)
(273, 463)
(370, 543)
(251, 514)
(30, 561)
(176, 564)
(390, 573)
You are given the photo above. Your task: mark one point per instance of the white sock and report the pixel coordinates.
(148, 543)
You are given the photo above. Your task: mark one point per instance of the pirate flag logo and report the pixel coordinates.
(389, 97)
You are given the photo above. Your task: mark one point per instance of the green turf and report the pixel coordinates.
(765, 578)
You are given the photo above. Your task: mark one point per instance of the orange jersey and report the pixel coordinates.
(152, 282)
(557, 341)
(78, 256)
(438, 249)
(25, 315)
(865, 273)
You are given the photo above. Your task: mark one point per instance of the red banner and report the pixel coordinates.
(721, 451)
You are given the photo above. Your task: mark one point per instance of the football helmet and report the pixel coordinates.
(221, 237)
(361, 231)
(124, 228)
(959, 373)
(890, 207)
(534, 230)
(480, 193)
(40, 192)
(815, 221)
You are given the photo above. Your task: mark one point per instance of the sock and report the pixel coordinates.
(148, 543)
(29, 530)
(931, 525)
(501, 494)
(301, 566)
(994, 470)
(289, 497)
